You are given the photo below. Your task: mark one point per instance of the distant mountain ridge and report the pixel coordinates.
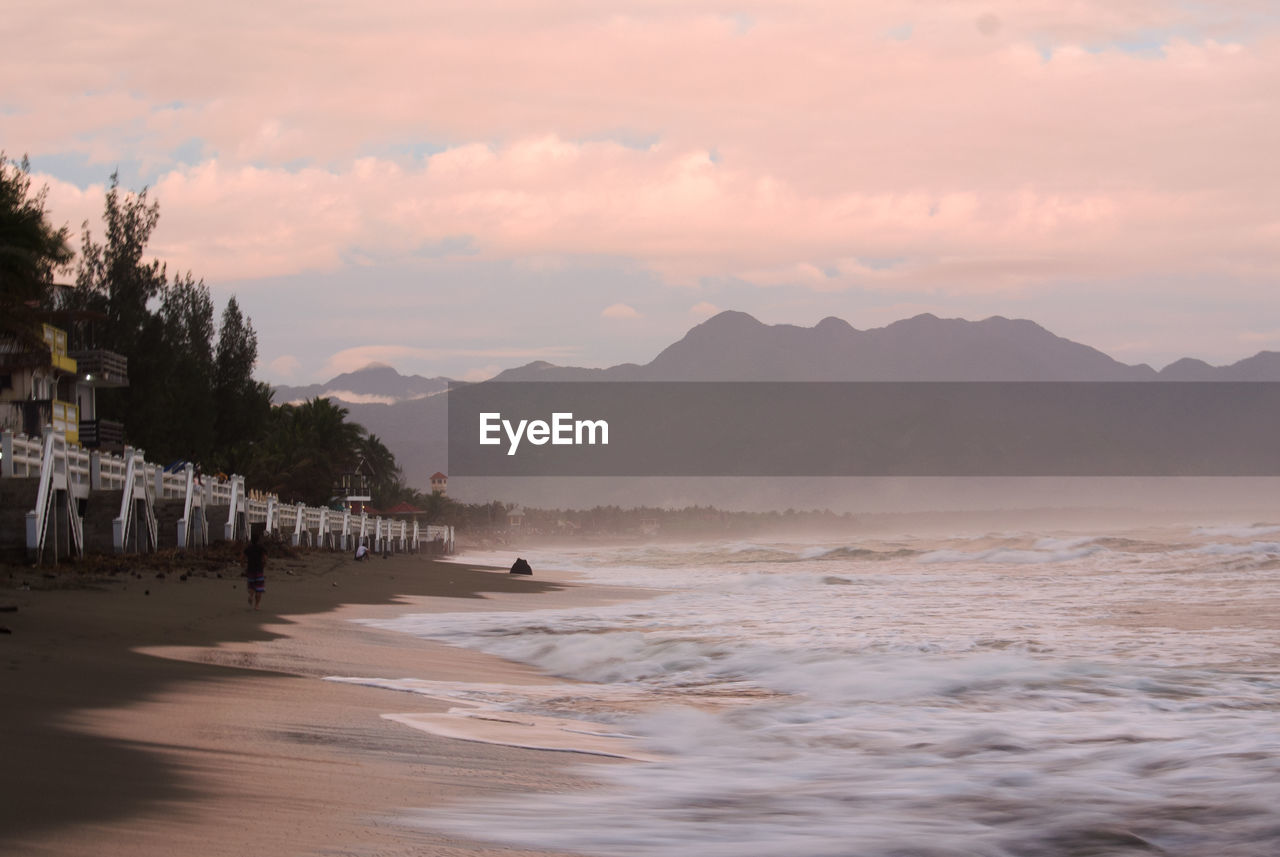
(376, 382)
(734, 346)
(408, 415)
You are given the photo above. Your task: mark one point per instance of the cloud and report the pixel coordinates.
(1259, 337)
(1002, 146)
(704, 309)
(285, 366)
(351, 359)
(359, 398)
(619, 311)
(481, 373)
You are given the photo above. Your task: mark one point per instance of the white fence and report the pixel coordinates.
(71, 472)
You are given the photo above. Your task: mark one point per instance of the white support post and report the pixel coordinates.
(55, 483)
(184, 524)
(120, 525)
(237, 501)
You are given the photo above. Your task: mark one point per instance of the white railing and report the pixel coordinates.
(170, 485)
(258, 511)
(286, 518)
(74, 471)
(20, 456)
(443, 533)
(111, 471)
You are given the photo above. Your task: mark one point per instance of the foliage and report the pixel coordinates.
(384, 473)
(305, 451)
(184, 400)
(112, 277)
(31, 249)
(242, 406)
(186, 323)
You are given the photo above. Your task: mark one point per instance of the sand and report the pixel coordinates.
(161, 717)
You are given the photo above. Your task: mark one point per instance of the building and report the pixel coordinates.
(38, 384)
(439, 483)
(96, 369)
(354, 491)
(52, 379)
(404, 509)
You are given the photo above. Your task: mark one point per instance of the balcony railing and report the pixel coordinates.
(102, 434)
(29, 417)
(102, 368)
(56, 339)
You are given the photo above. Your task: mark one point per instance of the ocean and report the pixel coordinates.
(996, 695)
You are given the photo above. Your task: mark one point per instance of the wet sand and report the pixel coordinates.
(180, 722)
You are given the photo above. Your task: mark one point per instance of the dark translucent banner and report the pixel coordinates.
(865, 429)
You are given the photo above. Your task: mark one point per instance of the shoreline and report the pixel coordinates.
(178, 721)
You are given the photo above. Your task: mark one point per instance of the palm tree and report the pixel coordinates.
(383, 471)
(306, 450)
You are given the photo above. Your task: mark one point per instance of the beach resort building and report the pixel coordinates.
(515, 519)
(51, 379)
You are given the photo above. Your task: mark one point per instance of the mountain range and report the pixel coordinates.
(734, 346)
(409, 415)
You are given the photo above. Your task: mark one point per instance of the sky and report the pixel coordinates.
(457, 188)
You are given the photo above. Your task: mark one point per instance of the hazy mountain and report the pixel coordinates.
(410, 417)
(376, 382)
(734, 346)
(1263, 366)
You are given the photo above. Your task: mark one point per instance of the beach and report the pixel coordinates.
(987, 692)
(160, 716)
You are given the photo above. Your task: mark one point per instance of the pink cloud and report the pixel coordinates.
(620, 311)
(797, 148)
(351, 359)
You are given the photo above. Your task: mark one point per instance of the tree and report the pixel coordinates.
(185, 400)
(186, 315)
(383, 471)
(113, 277)
(31, 249)
(306, 451)
(241, 404)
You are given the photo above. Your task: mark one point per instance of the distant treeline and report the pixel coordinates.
(498, 517)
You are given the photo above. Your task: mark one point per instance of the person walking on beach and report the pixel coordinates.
(255, 570)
